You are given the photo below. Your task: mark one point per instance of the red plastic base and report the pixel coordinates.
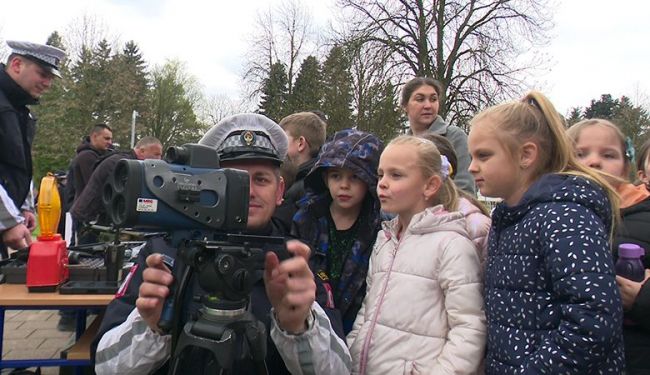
(47, 265)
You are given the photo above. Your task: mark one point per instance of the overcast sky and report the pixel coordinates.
(597, 46)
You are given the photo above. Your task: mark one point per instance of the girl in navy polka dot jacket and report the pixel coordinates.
(551, 301)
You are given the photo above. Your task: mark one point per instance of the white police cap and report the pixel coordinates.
(247, 136)
(46, 56)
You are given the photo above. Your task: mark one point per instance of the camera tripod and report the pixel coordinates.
(225, 331)
(226, 271)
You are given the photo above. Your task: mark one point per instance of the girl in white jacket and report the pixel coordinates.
(423, 312)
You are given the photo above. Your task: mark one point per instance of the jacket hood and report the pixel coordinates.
(433, 219)
(352, 149)
(559, 188)
(467, 208)
(632, 194)
(85, 145)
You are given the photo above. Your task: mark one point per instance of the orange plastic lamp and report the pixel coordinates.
(47, 264)
(49, 208)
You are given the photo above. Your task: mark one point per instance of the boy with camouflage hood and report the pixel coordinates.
(340, 216)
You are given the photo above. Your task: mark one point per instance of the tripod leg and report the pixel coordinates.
(255, 333)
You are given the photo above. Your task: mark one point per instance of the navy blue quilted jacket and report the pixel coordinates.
(552, 304)
(358, 151)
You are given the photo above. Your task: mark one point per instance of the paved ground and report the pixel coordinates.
(33, 334)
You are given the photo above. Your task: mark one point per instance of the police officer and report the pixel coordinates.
(292, 304)
(28, 73)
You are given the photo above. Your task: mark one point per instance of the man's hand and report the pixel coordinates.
(290, 287)
(17, 237)
(630, 289)
(30, 220)
(156, 279)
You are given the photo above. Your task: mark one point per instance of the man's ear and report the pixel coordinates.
(302, 144)
(279, 194)
(529, 153)
(16, 64)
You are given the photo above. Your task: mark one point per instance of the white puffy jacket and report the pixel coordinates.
(423, 311)
(478, 228)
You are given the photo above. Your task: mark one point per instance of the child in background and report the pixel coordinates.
(476, 215)
(551, 300)
(643, 164)
(339, 217)
(306, 132)
(601, 145)
(423, 311)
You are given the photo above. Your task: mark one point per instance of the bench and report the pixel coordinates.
(81, 348)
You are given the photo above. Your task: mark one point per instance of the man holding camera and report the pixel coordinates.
(305, 334)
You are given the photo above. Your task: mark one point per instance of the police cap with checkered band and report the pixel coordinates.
(48, 57)
(247, 136)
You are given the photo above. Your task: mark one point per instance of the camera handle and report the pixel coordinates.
(222, 332)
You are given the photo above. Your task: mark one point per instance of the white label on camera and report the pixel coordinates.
(147, 205)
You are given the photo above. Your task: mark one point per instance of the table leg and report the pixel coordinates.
(81, 323)
(2, 329)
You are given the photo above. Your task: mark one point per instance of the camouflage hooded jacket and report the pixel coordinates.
(359, 152)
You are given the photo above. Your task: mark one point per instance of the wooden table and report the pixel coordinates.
(17, 297)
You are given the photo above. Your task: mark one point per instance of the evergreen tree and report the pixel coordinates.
(83, 91)
(273, 103)
(106, 103)
(54, 142)
(604, 108)
(306, 90)
(575, 115)
(337, 91)
(385, 118)
(131, 83)
(634, 121)
(55, 40)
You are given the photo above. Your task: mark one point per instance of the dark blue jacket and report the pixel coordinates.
(17, 129)
(552, 304)
(634, 228)
(359, 152)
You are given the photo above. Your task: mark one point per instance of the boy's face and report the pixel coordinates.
(346, 189)
(294, 148)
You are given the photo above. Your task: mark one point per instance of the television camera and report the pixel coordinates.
(201, 209)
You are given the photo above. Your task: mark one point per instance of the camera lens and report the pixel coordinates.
(121, 176)
(107, 194)
(119, 210)
(177, 155)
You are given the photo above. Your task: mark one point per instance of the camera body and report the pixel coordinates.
(186, 191)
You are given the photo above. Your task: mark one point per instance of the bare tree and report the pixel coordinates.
(217, 107)
(474, 47)
(4, 50)
(85, 33)
(283, 34)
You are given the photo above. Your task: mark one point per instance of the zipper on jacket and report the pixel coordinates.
(373, 322)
